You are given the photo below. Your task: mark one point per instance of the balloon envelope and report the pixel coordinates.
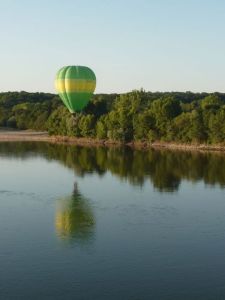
(75, 86)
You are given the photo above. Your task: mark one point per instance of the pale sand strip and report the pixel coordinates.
(37, 136)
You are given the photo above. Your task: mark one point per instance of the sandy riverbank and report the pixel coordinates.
(23, 135)
(35, 136)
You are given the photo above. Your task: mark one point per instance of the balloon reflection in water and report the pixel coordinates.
(74, 218)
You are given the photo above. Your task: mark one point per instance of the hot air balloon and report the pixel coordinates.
(75, 86)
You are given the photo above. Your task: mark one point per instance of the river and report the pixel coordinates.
(110, 223)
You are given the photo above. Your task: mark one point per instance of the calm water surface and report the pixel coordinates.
(96, 223)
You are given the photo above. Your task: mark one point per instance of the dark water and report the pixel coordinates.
(96, 223)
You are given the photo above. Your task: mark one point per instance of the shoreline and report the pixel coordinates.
(38, 136)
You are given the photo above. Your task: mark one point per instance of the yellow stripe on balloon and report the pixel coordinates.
(74, 85)
(60, 85)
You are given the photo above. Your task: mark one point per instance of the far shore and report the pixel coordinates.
(7, 135)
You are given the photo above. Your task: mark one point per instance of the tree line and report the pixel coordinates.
(135, 116)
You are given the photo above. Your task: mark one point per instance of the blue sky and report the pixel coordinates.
(158, 45)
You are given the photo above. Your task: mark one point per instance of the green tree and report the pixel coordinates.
(87, 125)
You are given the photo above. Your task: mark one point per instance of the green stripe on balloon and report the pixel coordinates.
(79, 104)
(61, 74)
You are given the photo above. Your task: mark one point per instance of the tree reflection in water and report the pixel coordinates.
(165, 169)
(74, 218)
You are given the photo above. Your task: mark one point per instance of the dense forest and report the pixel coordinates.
(135, 116)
